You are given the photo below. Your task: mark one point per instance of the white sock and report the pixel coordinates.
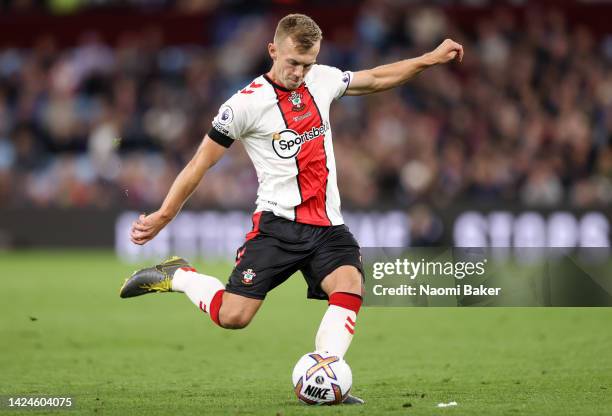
(336, 330)
(199, 288)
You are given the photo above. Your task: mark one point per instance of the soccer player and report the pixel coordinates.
(282, 119)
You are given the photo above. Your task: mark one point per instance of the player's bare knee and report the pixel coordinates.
(351, 284)
(356, 283)
(234, 319)
(344, 279)
(237, 311)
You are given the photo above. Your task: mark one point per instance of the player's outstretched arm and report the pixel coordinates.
(392, 75)
(147, 226)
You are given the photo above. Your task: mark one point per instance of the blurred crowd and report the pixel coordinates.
(63, 7)
(525, 118)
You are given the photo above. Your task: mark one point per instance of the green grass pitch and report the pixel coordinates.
(64, 331)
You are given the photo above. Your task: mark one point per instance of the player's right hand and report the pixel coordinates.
(146, 227)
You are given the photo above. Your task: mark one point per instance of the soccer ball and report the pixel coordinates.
(322, 378)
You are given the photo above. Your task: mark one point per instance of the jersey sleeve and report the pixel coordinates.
(231, 122)
(337, 81)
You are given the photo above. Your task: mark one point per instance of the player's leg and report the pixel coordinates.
(335, 273)
(267, 259)
(227, 310)
(344, 289)
(347, 279)
(264, 261)
(237, 311)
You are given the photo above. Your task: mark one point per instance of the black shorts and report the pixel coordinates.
(276, 248)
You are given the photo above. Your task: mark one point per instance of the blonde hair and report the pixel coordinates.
(302, 30)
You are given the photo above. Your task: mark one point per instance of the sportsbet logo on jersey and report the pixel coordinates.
(287, 143)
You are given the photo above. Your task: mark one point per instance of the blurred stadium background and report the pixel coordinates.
(103, 102)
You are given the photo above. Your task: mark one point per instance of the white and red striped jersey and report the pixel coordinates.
(288, 138)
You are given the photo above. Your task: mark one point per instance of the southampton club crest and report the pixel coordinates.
(296, 100)
(247, 276)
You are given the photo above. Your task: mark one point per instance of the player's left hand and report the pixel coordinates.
(447, 51)
(146, 227)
